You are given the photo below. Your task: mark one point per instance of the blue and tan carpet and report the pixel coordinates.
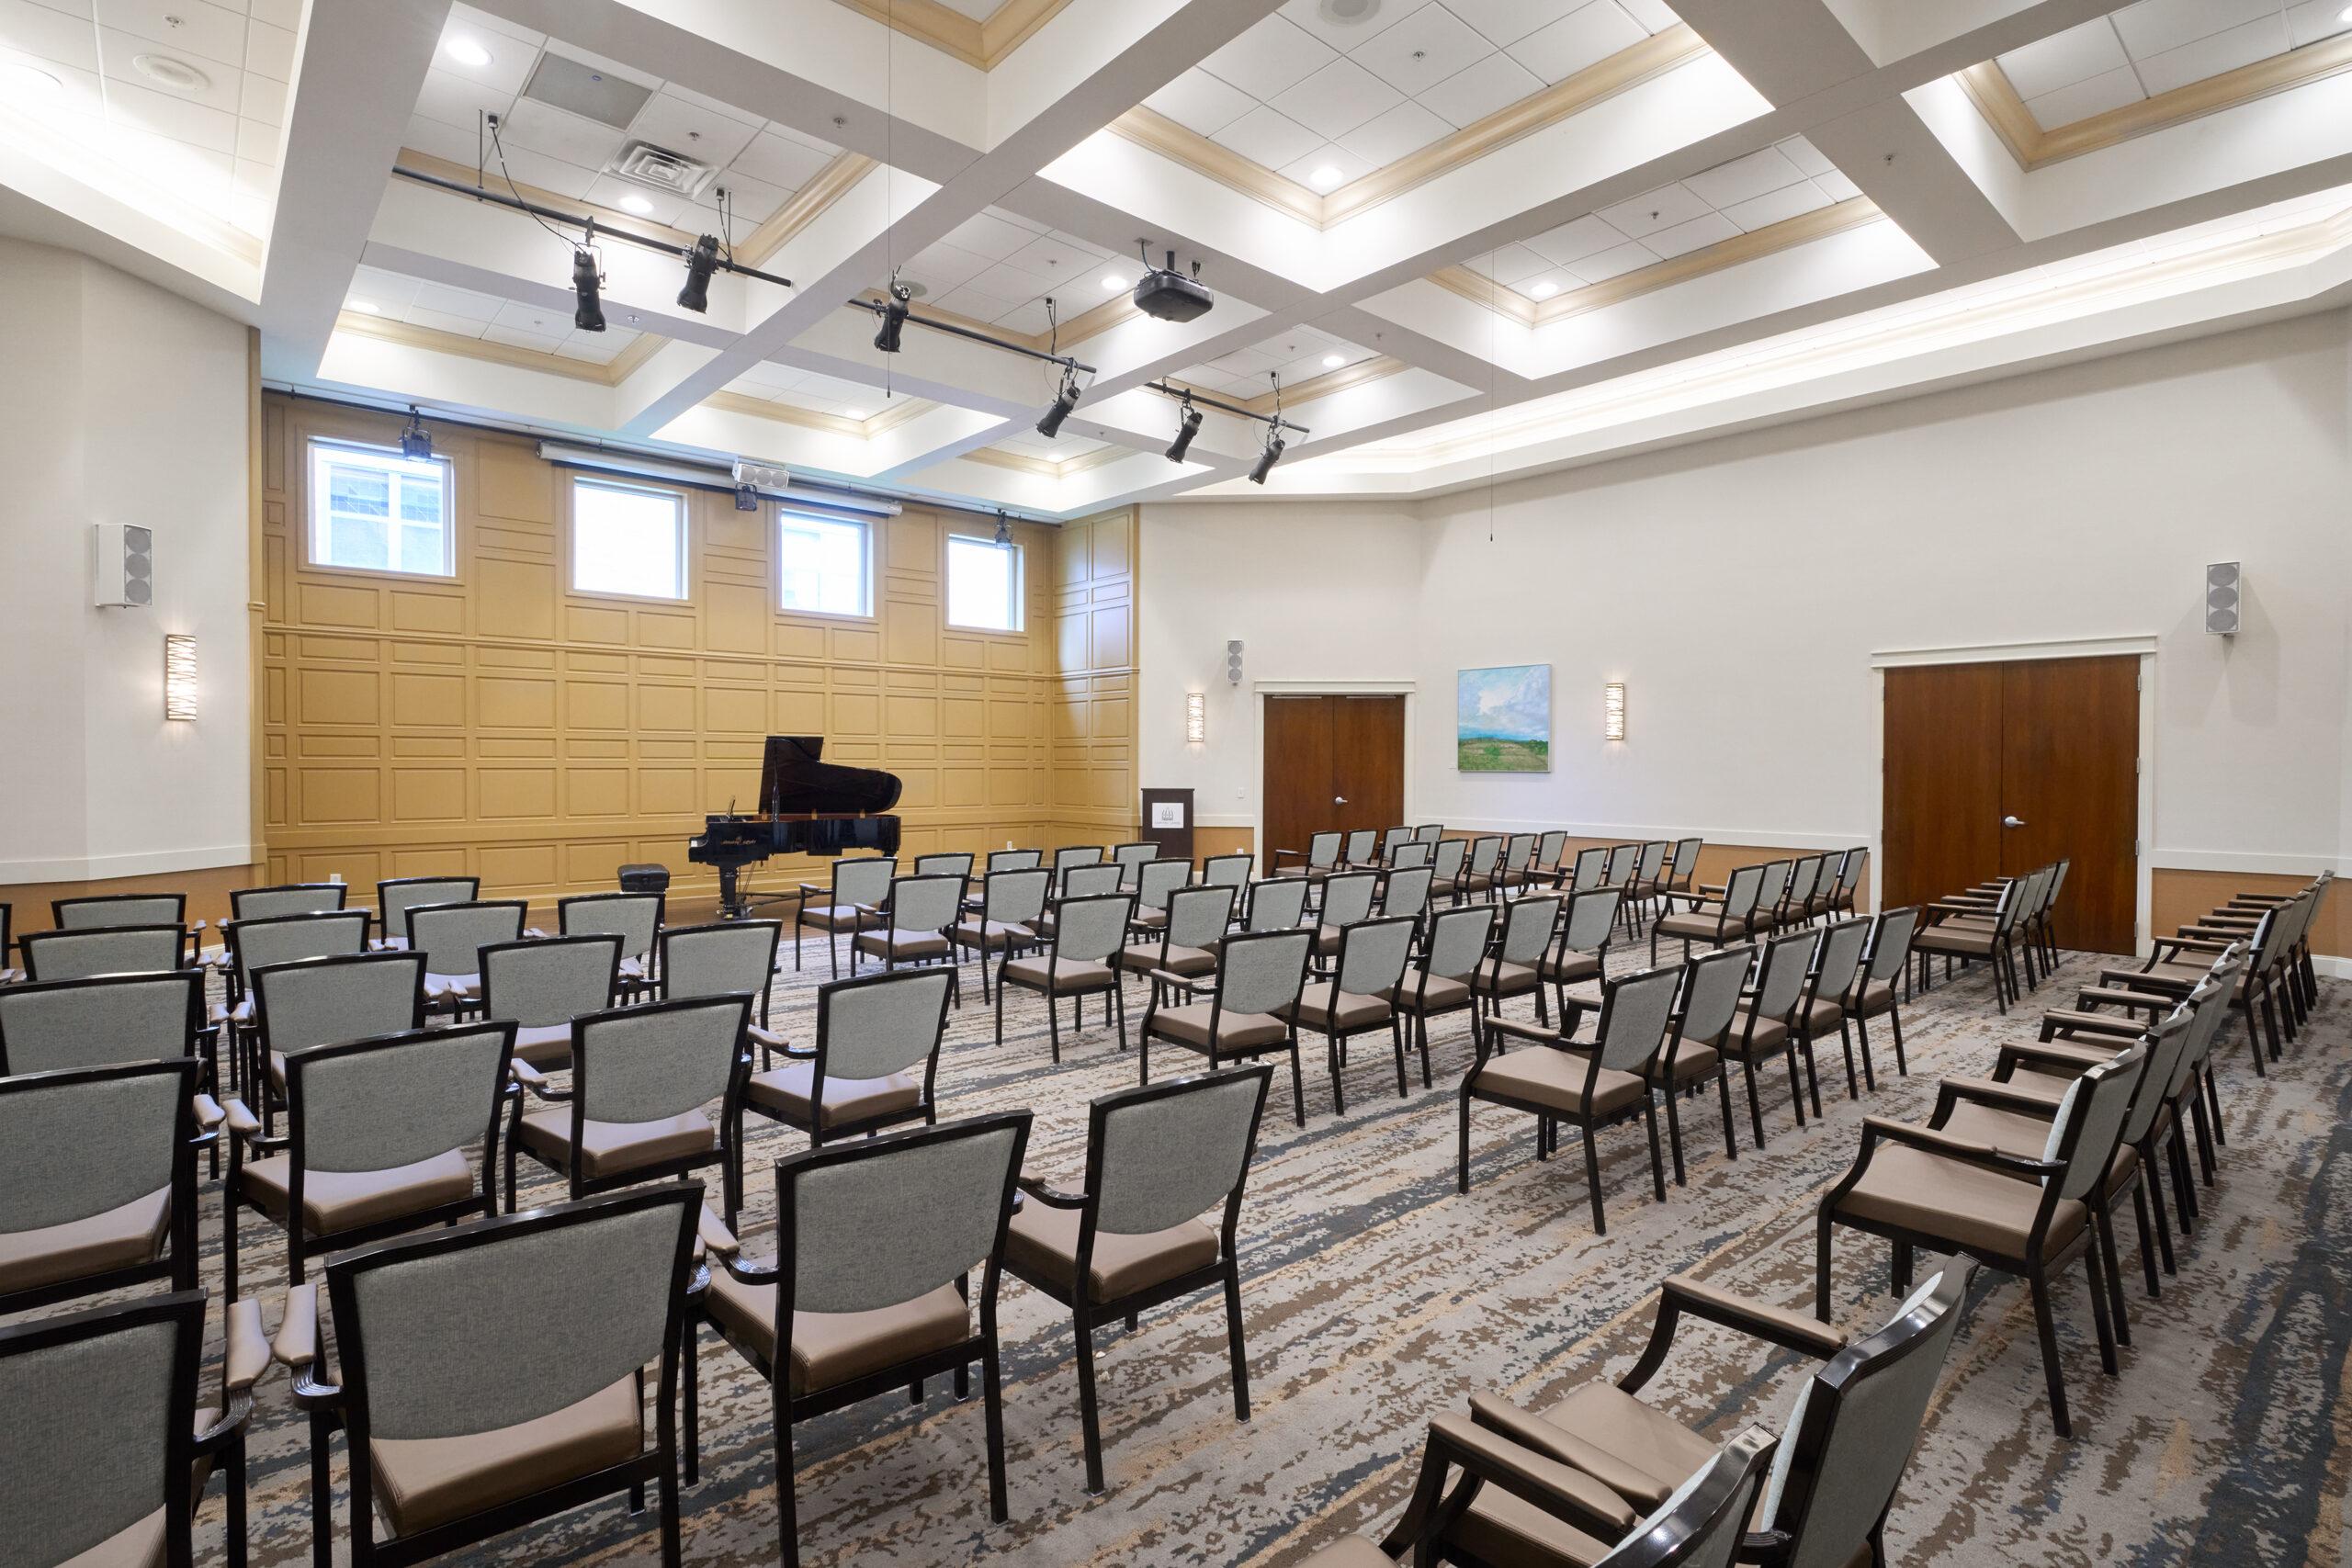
(1376, 1296)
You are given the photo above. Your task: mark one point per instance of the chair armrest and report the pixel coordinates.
(1053, 1197)
(1540, 1034)
(1531, 1475)
(2190, 944)
(241, 1122)
(248, 1353)
(1181, 982)
(1929, 1141)
(297, 1343)
(2060, 1056)
(1774, 1325)
(2000, 1096)
(2123, 997)
(209, 1114)
(714, 1235)
(530, 1077)
(768, 1037)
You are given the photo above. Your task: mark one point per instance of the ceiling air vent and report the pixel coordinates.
(660, 168)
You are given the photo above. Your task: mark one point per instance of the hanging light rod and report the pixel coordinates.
(1205, 401)
(975, 335)
(690, 253)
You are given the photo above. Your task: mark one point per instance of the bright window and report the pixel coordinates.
(825, 564)
(628, 539)
(983, 584)
(377, 510)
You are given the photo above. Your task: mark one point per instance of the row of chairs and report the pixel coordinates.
(2280, 984)
(1995, 923)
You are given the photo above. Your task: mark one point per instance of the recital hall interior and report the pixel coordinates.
(1526, 784)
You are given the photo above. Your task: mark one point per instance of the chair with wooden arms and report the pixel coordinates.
(1886, 958)
(1729, 918)
(541, 987)
(858, 887)
(1348, 896)
(1360, 850)
(1453, 940)
(260, 944)
(1479, 871)
(1406, 891)
(1319, 859)
(1154, 882)
(327, 1002)
(1014, 859)
(287, 898)
(719, 960)
(635, 918)
(1251, 1010)
(110, 1019)
(1187, 941)
(1276, 904)
(1766, 1024)
(1948, 936)
(1358, 997)
(1011, 902)
(1703, 1011)
(873, 1064)
(395, 897)
(1131, 859)
(83, 952)
(1581, 956)
(112, 911)
(914, 926)
(1513, 967)
(451, 937)
(1076, 963)
(1097, 880)
(1837, 962)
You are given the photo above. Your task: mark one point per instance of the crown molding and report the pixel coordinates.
(1046, 468)
(387, 330)
(864, 430)
(1804, 228)
(1378, 367)
(979, 44)
(829, 186)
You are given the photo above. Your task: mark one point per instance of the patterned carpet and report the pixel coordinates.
(1376, 1296)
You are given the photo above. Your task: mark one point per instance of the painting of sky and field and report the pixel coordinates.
(1503, 719)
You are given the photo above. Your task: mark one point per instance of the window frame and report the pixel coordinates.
(871, 567)
(313, 445)
(1017, 589)
(683, 507)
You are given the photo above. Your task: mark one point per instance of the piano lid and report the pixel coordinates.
(793, 780)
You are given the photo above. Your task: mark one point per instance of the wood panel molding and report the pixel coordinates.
(978, 43)
(1378, 367)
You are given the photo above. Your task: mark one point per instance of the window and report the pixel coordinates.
(983, 584)
(628, 539)
(825, 564)
(377, 510)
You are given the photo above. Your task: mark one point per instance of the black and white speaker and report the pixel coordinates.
(2225, 587)
(124, 558)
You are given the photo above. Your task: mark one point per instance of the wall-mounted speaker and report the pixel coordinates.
(1233, 661)
(124, 558)
(2225, 587)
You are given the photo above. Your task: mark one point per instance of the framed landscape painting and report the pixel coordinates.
(1502, 720)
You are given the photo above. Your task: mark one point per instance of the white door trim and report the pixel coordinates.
(1261, 690)
(2002, 652)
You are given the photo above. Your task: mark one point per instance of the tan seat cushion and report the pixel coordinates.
(2016, 1132)
(1500, 1528)
(1064, 977)
(425, 1482)
(1440, 994)
(1770, 1035)
(1317, 1008)
(1877, 996)
(1966, 1204)
(835, 917)
(783, 1093)
(1189, 1025)
(1555, 1078)
(991, 936)
(1701, 926)
(1498, 979)
(1351, 1552)
(1570, 967)
(834, 1347)
(607, 1148)
(1144, 956)
(1946, 937)
(1043, 1245)
(1635, 1452)
(544, 1044)
(1694, 1061)
(903, 944)
(140, 1545)
(1823, 1017)
(122, 1238)
(345, 1200)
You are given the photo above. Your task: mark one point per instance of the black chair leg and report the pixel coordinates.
(1089, 1422)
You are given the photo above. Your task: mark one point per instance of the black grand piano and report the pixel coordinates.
(806, 808)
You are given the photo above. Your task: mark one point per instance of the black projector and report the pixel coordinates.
(1170, 296)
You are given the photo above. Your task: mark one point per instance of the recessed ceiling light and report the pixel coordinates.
(637, 204)
(466, 51)
(177, 74)
(2344, 14)
(1349, 12)
(33, 79)
(367, 307)
(1544, 290)
(1326, 177)
(1333, 361)
(1113, 283)
(853, 413)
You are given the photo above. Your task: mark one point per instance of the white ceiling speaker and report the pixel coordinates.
(123, 555)
(2225, 587)
(177, 74)
(1348, 12)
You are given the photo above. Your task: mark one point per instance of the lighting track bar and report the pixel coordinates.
(975, 335)
(1205, 401)
(481, 193)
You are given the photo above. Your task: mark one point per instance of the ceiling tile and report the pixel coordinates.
(1344, 36)
(452, 302)
(52, 35)
(440, 139)
(1383, 138)
(1582, 39)
(2063, 58)
(1837, 187)
(989, 236)
(269, 50)
(1509, 265)
(511, 58)
(691, 129)
(1007, 284)
(119, 53)
(455, 98)
(592, 348)
(1804, 155)
(163, 115)
(1660, 208)
(1200, 103)
(1655, 16)
(979, 10)
(390, 292)
(1315, 169)
(1711, 229)
(1506, 21)
(2210, 56)
(943, 266)
(716, 105)
(1778, 206)
(1544, 285)
(258, 142)
(780, 161)
(1028, 317)
(2109, 90)
(1338, 98)
(1631, 256)
(183, 27)
(539, 319)
(1269, 57)
(544, 342)
(1422, 50)
(1743, 178)
(285, 13)
(806, 138)
(262, 99)
(1495, 83)
(1268, 138)
(660, 207)
(555, 134)
(549, 173)
(754, 201)
(459, 12)
(2153, 27)
(1052, 262)
(2316, 19)
(1572, 241)
(606, 64)
(443, 321)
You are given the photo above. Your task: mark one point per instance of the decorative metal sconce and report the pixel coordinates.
(1196, 717)
(179, 676)
(1613, 711)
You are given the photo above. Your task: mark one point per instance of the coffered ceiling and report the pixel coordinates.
(1467, 238)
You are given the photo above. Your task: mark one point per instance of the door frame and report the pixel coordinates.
(1261, 690)
(2143, 649)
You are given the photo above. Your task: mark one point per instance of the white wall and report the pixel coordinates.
(123, 404)
(1740, 586)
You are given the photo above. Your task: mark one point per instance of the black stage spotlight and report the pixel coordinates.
(1268, 458)
(1063, 402)
(585, 281)
(1004, 530)
(416, 442)
(894, 318)
(1188, 426)
(701, 261)
(747, 498)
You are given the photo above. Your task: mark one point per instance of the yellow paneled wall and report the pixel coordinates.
(501, 723)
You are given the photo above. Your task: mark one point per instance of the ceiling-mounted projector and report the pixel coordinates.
(1170, 295)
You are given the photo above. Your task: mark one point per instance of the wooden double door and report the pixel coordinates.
(1993, 769)
(1331, 762)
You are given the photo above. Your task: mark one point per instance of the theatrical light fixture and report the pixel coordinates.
(701, 261)
(1065, 401)
(1003, 531)
(179, 676)
(587, 280)
(752, 478)
(1613, 711)
(1188, 425)
(1267, 459)
(1196, 717)
(416, 442)
(894, 318)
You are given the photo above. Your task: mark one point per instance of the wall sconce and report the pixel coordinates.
(179, 676)
(1196, 717)
(1613, 711)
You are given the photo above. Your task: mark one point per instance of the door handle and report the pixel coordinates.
(2012, 821)
(1339, 800)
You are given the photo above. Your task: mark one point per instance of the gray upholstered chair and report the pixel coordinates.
(1764, 1025)
(377, 1142)
(1581, 956)
(1885, 967)
(110, 1019)
(1716, 921)
(870, 1294)
(540, 986)
(1251, 1009)
(1588, 1085)
(1446, 859)
(1393, 839)
(719, 960)
(280, 939)
(1440, 983)
(1277, 904)
(1097, 879)
(638, 1108)
(1953, 937)
(1429, 832)
(1511, 966)
(86, 951)
(1590, 870)
(1683, 864)
(874, 1063)
(104, 1450)
(1229, 871)
(1837, 962)
(327, 1002)
(1155, 1220)
(1703, 1010)
(1005, 922)
(451, 937)
(858, 887)
(1347, 898)
(1154, 880)
(956, 863)
(1361, 849)
(1415, 855)
(1479, 871)
(288, 898)
(1014, 859)
(1187, 939)
(1359, 996)
(395, 897)
(1795, 905)
(493, 1375)
(1317, 860)
(635, 918)
(1069, 857)
(1076, 963)
(112, 911)
(913, 925)
(1131, 859)
(10, 976)
(1405, 890)
(99, 1188)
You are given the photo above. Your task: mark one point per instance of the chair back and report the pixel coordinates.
(1850, 872)
(1014, 859)
(1015, 897)
(1457, 940)
(1276, 904)
(1634, 1013)
(1323, 852)
(875, 1222)
(1172, 1151)
(1591, 868)
(1089, 929)
(397, 1100)
(108, 1019)
(658, 1061)
(1347, 898)
(1698, 1524)
(1197, 916)
(719, 960)
(1622, 860)
(1742, 890)
(1392, 840)
(1090, 881)
(928, 903)
(1228, 871)
(1446, 857)
(1686, 858)
(1648, 862)
(1073, 855)
(87, 951)
(1519, 851)
(1157, 879)
(2167, 1047)
(1804, 877)
(1528, 925)
(862, 880)
(956, 863)
(539, 984)
(1485, 853)
(2084, 1132)
(1429, 833)
(1592, 918)
(2212, 1013)
(875, 1025)
(348, 996)
(635, 918)
(502, 1320)
(1262, 972)
(1408, 890)
(1774, 882)
(1373, 954)
(1550, 848)
(1711, 991)
(1411, 856)
(451, 936)
(1840, 958)
(102, 1430)
(2057, 881)
(282, 938)
(106, 911)
(395, 897)
(1783, 970)
(1890, 946)
(287, 898)
(76, 1144)
(1361, 845)
(1132, 858)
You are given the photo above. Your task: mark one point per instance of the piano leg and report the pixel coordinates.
(730, 906)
